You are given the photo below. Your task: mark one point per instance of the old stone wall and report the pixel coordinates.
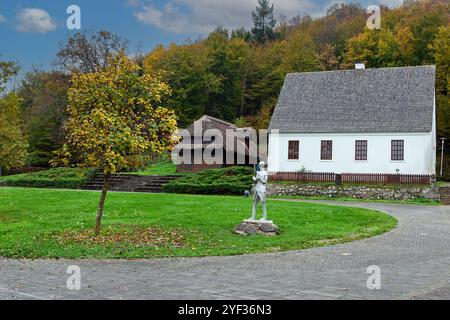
(357, 192)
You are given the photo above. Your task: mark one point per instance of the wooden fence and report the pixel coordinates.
(382, 178)
(368, 178)
(304, 176)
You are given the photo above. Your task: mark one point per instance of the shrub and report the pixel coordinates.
(232, 180)
(59, 178)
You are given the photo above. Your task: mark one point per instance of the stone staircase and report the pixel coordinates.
(130, 183)
(445, 195)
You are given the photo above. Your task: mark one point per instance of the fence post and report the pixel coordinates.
(433, 180)
(338, 179)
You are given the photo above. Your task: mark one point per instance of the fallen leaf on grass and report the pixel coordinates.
(129, 235)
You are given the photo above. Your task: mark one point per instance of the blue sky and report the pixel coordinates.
(31, 30)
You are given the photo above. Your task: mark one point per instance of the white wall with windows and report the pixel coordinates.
(419, 153)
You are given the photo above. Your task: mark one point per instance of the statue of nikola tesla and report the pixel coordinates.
(261, 179)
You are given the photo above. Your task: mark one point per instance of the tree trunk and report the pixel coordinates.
(244, 84)
(101, 204)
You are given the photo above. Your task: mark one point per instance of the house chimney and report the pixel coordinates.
(360, 66)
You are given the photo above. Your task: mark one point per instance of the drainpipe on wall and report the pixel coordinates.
(442, 156)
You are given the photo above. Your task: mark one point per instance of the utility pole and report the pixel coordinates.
(442, 156)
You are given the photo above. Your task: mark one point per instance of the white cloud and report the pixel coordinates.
(2, 18)
(202, 16)
(34, 20)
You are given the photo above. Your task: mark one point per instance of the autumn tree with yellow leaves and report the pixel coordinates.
(13, 144)
(115, 118)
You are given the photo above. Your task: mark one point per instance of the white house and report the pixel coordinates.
(356, 121)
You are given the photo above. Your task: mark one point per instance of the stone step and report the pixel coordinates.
(149, 190)
(137, 185)
(134, 179)
(134, 176)
(445, 195)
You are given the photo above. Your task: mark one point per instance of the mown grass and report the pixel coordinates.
(32, 221)
(163, 168)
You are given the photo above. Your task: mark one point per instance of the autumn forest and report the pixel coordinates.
(235, 75)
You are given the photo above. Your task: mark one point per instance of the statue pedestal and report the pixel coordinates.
(252, 227)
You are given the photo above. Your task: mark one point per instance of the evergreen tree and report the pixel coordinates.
(7, 70)
(241, 33)
(264, 22)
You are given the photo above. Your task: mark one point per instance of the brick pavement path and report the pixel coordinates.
(414, 260)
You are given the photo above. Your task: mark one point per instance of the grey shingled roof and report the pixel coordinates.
(353, 101)
(207, 123)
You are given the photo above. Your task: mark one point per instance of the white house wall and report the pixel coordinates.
(433, 137)
(419, 153)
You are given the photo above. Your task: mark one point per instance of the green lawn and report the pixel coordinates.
(57, 224)
(163, 168)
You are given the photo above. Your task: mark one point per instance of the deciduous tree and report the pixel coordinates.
(328, 58)
(441, 52)
(90, 52)
(183, 68)
(13, 143)
(115, 117)
(300, 54)
(375, 48)
(44, 104)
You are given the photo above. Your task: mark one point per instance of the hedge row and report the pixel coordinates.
(58, 178)
(233, 180)
(43, 183)
(219, 188)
